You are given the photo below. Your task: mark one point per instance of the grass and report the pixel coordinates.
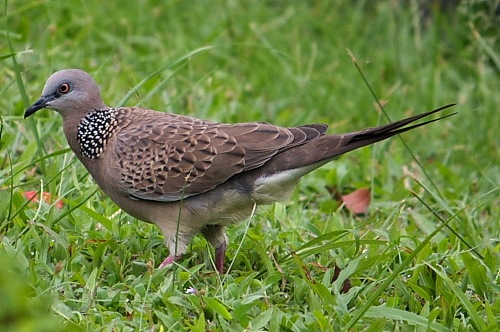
(425, 257)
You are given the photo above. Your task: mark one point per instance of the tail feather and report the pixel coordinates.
(327, 147)
(396, 127)
(340, 144)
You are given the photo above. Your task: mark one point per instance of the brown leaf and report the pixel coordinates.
(346, 286)
(358, 201)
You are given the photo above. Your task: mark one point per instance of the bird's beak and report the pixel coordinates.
(38, 105)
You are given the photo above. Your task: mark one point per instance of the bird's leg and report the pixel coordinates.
(177, 246)
(217, 237)
(220, 254)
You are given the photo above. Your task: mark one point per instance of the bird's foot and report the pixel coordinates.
(169, 260)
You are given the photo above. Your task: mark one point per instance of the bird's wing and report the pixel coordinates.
(167, 157)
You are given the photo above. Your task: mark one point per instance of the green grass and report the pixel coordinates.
(426, 257)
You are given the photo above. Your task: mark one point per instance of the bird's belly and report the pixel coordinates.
(219, 207)
(276, 187)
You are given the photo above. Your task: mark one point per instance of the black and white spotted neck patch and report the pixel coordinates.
(94, 131)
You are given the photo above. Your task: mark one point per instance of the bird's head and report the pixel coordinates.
(69, 91)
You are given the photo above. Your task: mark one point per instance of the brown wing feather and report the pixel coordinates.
(167, 157)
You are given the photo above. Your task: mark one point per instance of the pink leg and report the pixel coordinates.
(217, 238)
(169, 260)
(220, 254)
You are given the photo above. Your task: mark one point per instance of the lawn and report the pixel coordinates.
(424, 258)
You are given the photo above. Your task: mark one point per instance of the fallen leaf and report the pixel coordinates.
(46, 197)
(358, 201)
(346, 286)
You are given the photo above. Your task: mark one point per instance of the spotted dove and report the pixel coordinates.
(186, 175)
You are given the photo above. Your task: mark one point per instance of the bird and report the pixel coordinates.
(190, 176)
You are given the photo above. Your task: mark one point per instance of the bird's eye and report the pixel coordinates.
(64, 88)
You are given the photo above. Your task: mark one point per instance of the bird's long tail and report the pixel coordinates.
(325, 148)
(354, 140)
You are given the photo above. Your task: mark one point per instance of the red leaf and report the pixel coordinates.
(358, 201)
(46, 196)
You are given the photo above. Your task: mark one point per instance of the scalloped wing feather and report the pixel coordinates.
(168, 157)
